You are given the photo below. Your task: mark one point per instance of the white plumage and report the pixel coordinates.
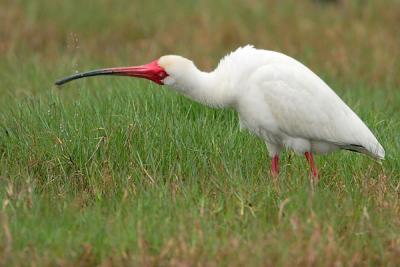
(277, 98)
(280, 100)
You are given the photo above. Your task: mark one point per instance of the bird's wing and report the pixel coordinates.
(305, 106)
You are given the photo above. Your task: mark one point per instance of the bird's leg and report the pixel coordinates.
(275, 165)
(313, 167)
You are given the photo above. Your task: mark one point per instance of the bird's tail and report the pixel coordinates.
(378, 151)
(375, 151)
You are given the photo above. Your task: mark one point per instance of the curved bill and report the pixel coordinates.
(85, 74)
(151, 71)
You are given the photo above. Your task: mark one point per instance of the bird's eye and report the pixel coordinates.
(162, 74)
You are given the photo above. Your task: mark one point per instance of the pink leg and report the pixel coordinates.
(275, 165)
(310, 159)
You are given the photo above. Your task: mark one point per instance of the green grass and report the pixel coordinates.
(117, 171)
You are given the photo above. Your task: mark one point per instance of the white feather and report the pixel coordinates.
(280, 100)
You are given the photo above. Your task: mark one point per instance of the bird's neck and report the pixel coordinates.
(208, 88)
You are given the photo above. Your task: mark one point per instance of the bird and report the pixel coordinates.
(276, 97)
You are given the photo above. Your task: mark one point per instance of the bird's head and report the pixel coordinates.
(166, 70)
(176, 67)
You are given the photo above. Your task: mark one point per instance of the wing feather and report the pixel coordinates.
(305, 106)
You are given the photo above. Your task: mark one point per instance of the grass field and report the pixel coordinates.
(121, 172)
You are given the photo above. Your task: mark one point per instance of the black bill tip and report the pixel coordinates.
(83, 75)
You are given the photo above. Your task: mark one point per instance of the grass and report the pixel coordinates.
(116, 171)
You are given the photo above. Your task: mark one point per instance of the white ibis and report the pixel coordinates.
(277, 98)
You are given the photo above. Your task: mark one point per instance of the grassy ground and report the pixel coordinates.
(116, 171)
